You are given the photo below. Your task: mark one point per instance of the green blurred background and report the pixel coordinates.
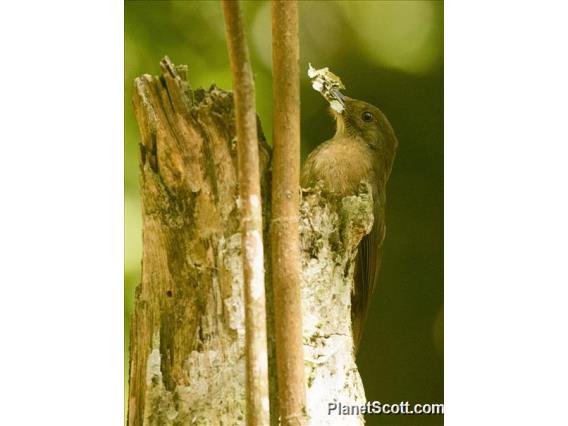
(387, 53)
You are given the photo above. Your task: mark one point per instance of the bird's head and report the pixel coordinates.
(362, 121)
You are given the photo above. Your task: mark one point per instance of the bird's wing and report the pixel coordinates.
(367, 267)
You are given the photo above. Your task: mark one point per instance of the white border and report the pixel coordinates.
(61, 223)
(61, 230)
(506, 213)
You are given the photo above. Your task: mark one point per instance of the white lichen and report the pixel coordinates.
(153, 370)
(327, 268)
(230, 258)
(214, 392)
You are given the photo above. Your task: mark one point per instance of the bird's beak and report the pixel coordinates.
(339, 97)
(336, 100)
(340, 101)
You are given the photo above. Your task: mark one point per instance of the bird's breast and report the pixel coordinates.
(340, 166)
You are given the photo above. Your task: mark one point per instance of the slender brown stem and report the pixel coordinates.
(285, 210)
(251, 218)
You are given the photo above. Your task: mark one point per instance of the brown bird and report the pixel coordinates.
(363, 149)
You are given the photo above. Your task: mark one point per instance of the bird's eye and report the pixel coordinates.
(367, 116)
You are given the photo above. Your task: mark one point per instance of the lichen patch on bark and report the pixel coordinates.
(330, 231)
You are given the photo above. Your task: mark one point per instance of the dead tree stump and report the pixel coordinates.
(187, 363)
(187, 345)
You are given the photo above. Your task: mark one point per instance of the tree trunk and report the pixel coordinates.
(330, 232)
(187, 363)
(187, 350)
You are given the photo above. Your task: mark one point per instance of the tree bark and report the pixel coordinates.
(187, 352)
(330, 232)
(188, 333)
